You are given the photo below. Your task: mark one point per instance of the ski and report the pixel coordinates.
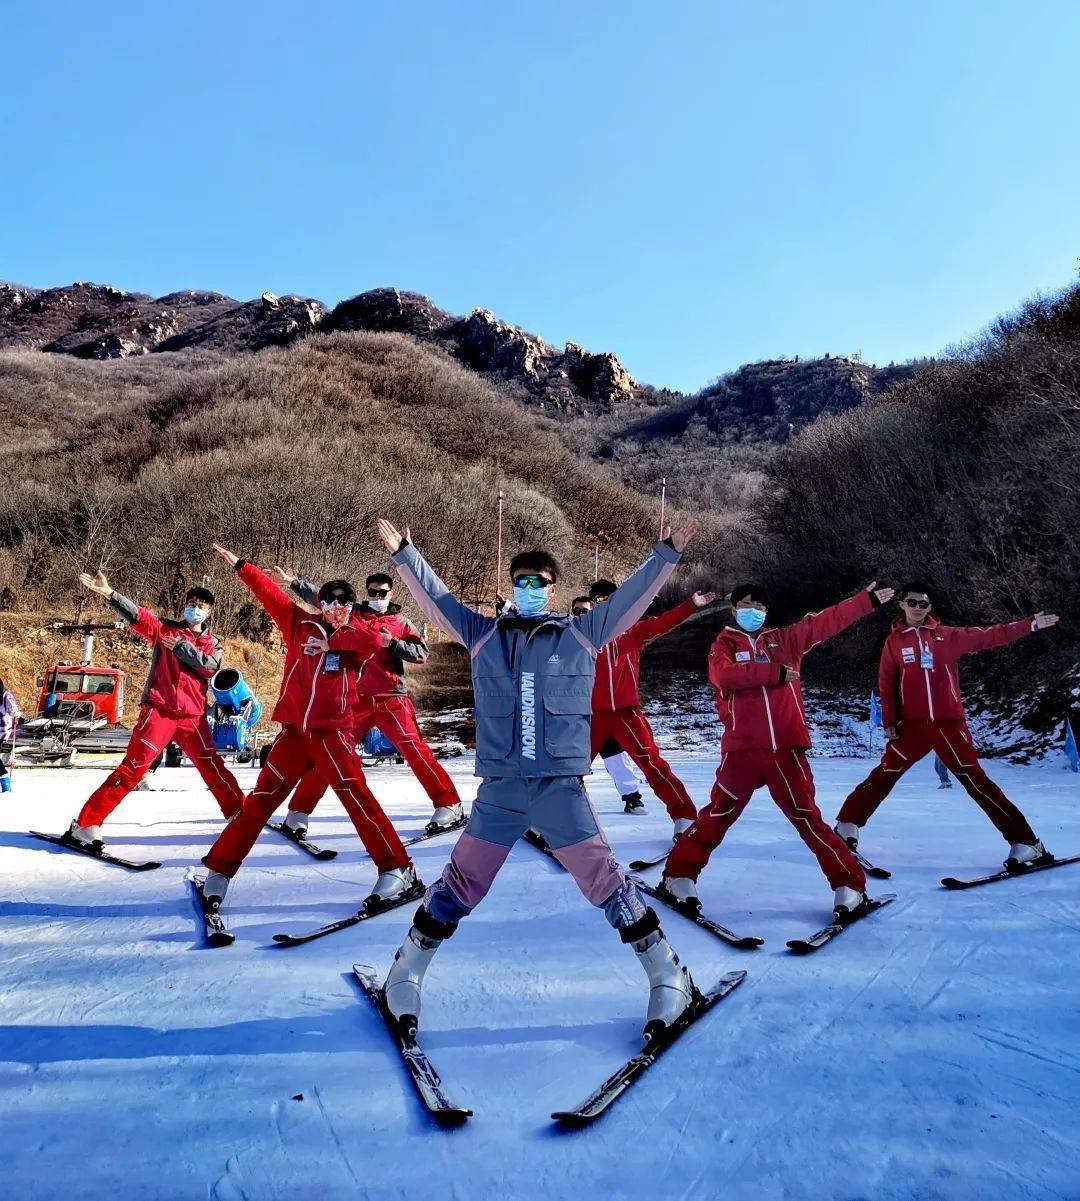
(429, 1085)
(372, 909)
(640, 865)
(879, 873)
(132, 865)
(301, 841)
(217, 934)
(745, 942)
(1010, 874)
(618, 1082)
(803, 946)
(426, 834)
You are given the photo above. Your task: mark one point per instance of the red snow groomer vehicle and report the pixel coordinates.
(80, 705)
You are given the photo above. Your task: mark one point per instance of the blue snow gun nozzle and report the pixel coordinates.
(231, 690)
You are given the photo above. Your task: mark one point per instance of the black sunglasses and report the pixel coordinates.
(916, 604)
(376, 592)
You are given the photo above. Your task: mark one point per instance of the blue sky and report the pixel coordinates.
(691, 185)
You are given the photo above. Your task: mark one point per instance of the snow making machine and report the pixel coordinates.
(80, 706)
(234, 714)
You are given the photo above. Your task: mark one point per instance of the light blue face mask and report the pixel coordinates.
(750, 620)
(530, 601)
(195, 616)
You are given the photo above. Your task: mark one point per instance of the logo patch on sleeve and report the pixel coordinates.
(742, 656)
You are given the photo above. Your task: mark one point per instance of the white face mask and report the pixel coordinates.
(379, 603)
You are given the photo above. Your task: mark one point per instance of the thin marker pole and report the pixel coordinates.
(663, 502)
(499, 540)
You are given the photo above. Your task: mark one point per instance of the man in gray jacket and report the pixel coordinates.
(532, 671)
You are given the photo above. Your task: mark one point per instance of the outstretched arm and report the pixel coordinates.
(649, 628)
(966, 640)
(816, 628)
(281, 609)
(436, 601)
(628, 602)
(142, 621)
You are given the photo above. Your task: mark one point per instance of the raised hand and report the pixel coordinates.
(96, 583)
(1041, 621)
(392, 539)
(701, 599)
(883, 595)
(681, 536)
(283, 575)
(227, 555)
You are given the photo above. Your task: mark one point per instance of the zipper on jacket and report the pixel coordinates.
(926, 675)
(765, 698)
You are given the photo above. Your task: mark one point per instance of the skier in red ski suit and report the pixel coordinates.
(756, 674)
(186, 656)
(921, 710)
(324, 656)
(383, 703)
(616, 702)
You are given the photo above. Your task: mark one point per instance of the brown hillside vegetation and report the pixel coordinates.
(967, 475)
(286, 456)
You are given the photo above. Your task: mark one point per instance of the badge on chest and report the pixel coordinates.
(332, 661)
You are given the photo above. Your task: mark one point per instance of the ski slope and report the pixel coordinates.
(931, 1052)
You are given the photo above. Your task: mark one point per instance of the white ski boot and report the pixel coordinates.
(214, 888)
(443, 818)
(682, 824)
(670, 988)
(297, 822)
(401, 991)
(845, 902)
(683, 889)
(1022, 854)
(86, 837)
(849, 832)
(391, 884)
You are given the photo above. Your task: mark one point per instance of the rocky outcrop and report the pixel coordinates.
(269, 321)
(386, 310)
(95, 321)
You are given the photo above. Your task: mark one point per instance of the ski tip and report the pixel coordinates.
(800, 946)
(733, 978)
(750, 942)
(952, 882)
(284, 940)
(326, 854)
(575, 1121)
(451, 1117)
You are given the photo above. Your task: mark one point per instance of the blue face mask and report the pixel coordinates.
(530, 601)
(750, 620)
(195, 616)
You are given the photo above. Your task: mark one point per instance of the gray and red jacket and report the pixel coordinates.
(177, 679)
(318, 688)
(384, 672)
(918, 676)
(618, 665)
(759, 709)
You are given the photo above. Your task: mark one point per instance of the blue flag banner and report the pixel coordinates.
(875, 712)
(1071, 752)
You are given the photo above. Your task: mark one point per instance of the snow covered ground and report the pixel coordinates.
(932, 1052)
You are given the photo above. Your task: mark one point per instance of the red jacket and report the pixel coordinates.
(318, 688)
(757, 711)
(177, 679)
(384, 672)
(619, 663)
(913, 687)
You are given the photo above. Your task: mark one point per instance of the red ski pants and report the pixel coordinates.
(396, 717)
(634, 734)
(786, 774)
(152, 733)
(292, 753)
(952, 742)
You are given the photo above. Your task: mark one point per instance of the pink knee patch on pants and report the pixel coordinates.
(473, 867)
(593, 867)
